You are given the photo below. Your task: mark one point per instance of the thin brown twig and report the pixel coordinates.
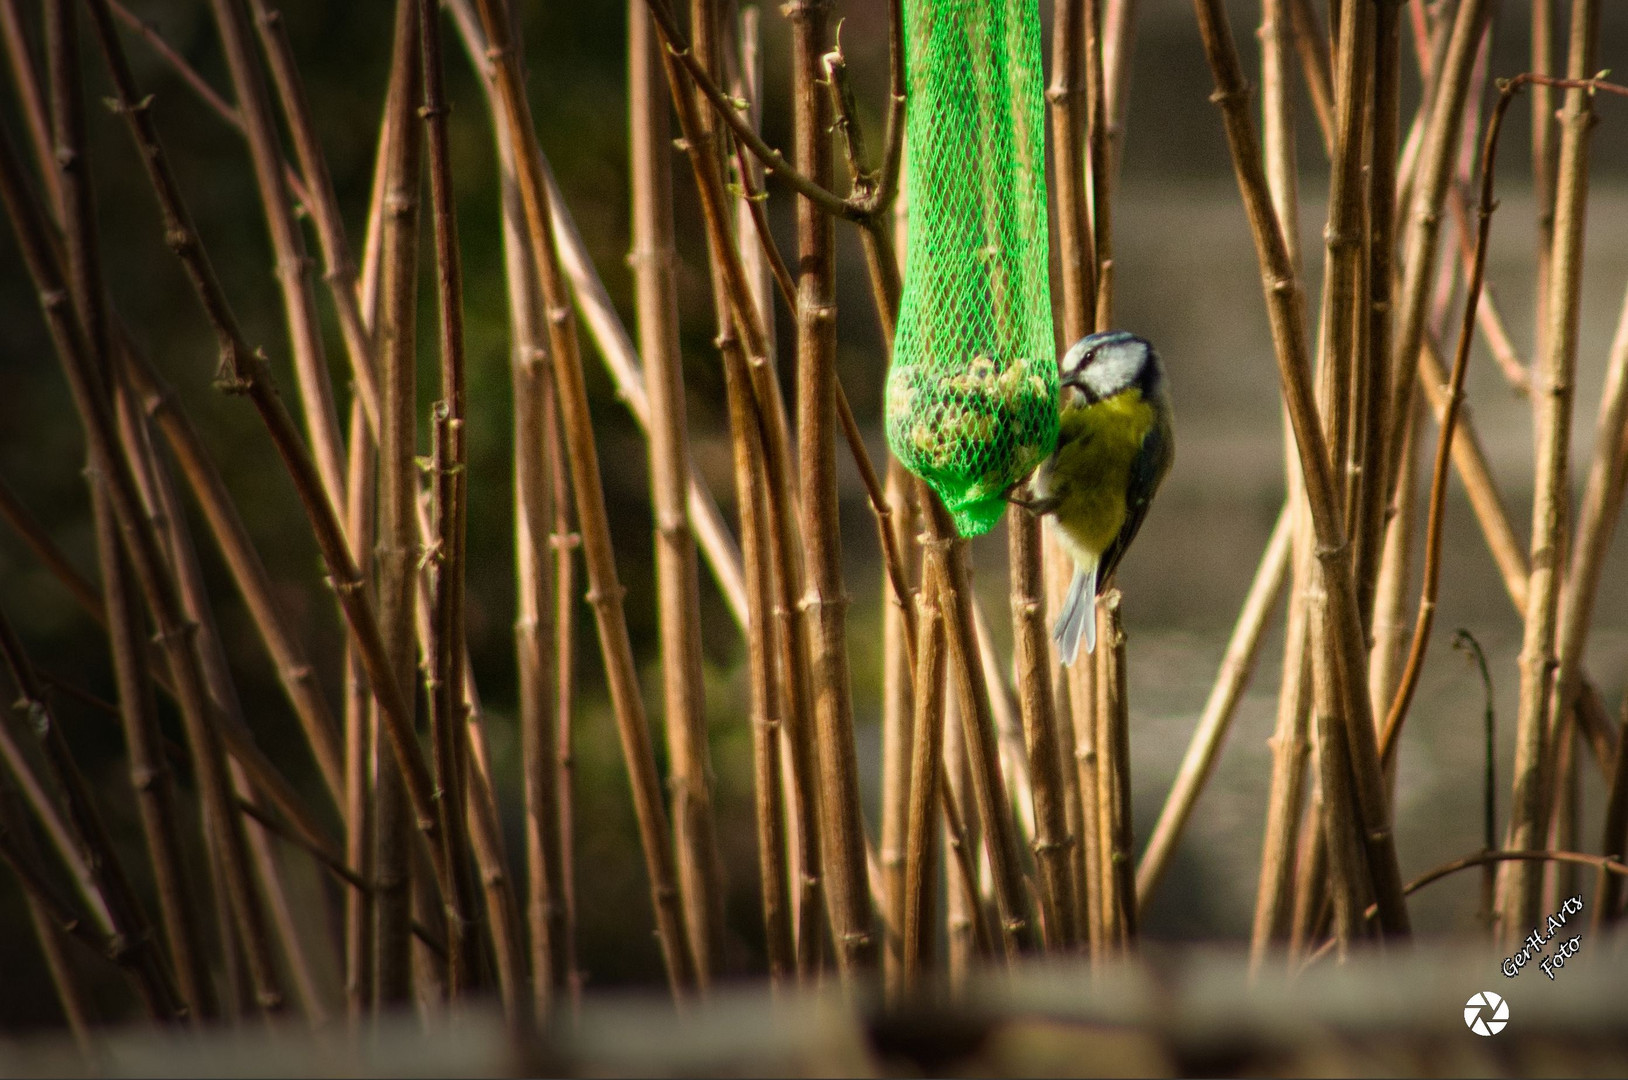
(1443, 463)
(1610, 869)
(679, 48)
(131, 944)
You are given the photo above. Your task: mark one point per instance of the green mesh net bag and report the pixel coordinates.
(972, 391)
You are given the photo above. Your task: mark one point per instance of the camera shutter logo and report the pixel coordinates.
(1486, 1013)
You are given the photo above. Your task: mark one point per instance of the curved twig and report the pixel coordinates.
(1438, 486)
(678, 45)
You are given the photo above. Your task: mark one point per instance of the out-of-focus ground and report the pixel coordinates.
(1195, 1013)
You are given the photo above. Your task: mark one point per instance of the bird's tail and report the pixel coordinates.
(1078, 617)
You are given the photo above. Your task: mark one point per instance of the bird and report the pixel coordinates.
(1115, 444)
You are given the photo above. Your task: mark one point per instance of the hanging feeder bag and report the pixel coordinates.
(972, 390)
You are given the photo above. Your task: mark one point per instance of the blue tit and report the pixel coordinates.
(1114, 446)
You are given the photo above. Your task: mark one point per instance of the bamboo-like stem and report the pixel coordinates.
(1118, 41)
(321, 204)
(1088, 764)
(398, 548)
(31, 97)
(1205, 747)
(768, 703)
(1348, 885)
(1017, 931)
(1009, 734)
(565, 541)
(743, 333)
(883, 265)
(1545, 161)
(1553, 378)
(1344, 301)
(825, 601)
(1068, 101)
(1099, 170)
(450, 484)
(293, 269)
(926, 789)
(1275, 895)
(884, 272)
(1390, 621)
(655, 265)
(1430, 180)
(1469, 142)
(1596, 520)
(605, 591)
(542, 720)
(1114, 716)
(767, 725)
(1476, 475)
(316, 192)
(243, 371)
(965, 909)
(1273, 904)
(1369, 492)
(753, 338)
(889, 183)
(1031, 660)
(358, 732)
(1069, 107)
(1311, 45)
(1284, 304)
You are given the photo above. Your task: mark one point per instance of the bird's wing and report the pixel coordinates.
(1146, 472)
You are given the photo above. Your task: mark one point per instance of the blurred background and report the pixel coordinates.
(1187, 279)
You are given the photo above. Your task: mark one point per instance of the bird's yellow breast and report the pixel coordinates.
(1096, 445)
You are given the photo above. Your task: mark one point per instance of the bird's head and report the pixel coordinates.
(1099, 366)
